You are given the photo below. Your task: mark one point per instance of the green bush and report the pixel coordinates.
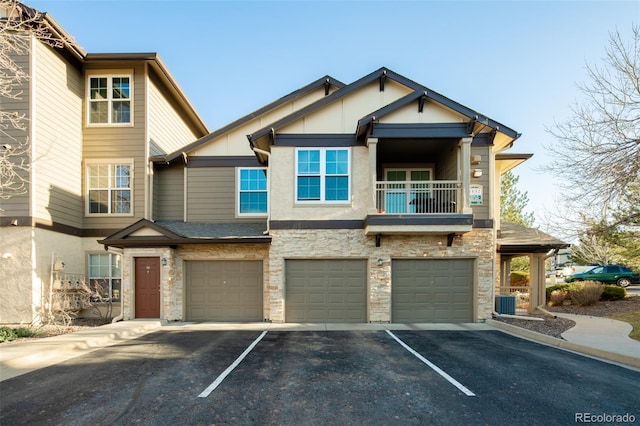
(585, 293)
(519, 278)
(613, 292)
(559, 287)
(7, 334)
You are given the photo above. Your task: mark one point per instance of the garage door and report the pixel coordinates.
(326, 290)
(430, 290)
(224, 290)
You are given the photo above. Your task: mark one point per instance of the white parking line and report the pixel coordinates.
(450, 379)
(205, 393)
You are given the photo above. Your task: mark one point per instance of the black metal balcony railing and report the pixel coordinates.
(418, 197)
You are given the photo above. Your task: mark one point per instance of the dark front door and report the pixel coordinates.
(147, 283)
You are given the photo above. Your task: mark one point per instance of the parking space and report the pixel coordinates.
(320, 377)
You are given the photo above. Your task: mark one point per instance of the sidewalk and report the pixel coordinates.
(18, 358)
(598, 337)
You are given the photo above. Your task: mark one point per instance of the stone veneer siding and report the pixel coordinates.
(319, 244)
(172, 285)
(354, 244)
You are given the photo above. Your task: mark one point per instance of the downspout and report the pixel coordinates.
(268, 154)
(119, 252)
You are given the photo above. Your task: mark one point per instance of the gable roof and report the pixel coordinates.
(55, 35)
(518, 239)
(420, 93)
(508, 161)
(326, 81)
(145, 233)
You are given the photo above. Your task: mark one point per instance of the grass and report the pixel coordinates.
(632, 318)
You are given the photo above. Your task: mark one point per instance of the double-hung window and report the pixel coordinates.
(252, 191)
(323, 175)
(109, 188)
(110, 99)
(105, 276)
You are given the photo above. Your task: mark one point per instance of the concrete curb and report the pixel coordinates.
(624, 360)
(22, 358)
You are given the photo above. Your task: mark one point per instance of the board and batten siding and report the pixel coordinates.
(103, 142)
(18, 205)
(168, 192)
(168, 125)
(57, 169)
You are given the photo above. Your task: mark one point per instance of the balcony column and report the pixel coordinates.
(372, 143)
(465, 145)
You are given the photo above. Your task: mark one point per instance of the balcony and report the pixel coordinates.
(409, 207)
(418, 197)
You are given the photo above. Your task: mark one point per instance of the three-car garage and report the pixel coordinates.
(331, 290)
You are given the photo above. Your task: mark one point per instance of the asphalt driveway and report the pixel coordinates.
(192, 377)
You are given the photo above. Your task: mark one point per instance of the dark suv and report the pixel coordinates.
(609, 274)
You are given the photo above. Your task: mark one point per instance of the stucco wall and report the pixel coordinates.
(282, 197)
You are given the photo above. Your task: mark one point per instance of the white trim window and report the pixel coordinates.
(323, 175)
(105, 276)
(109, 188)
(253, 193)
(110, 99)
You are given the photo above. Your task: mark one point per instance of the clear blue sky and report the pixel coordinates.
(515, 61)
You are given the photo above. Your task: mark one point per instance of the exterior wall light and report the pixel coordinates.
(477, 173)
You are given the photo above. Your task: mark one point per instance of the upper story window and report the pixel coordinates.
(252, 191)
(110, 99)
(109, 188)
(323, 174)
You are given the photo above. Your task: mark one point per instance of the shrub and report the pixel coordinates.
(585, 293)
(519, 278)
(557, 297)
(7, 334)
(551, 289)
(613, 292)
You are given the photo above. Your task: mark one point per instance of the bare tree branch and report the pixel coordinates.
(597, 154)
(17, 30)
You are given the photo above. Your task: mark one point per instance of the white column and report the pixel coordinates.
(372, 143)
(465, 145)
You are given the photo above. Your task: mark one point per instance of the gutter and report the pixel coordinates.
(268, 155)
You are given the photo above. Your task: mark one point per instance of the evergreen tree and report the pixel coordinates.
(513, 202)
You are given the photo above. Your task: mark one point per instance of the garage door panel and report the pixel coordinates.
(224, 290)
(432, 290)
(325, 290)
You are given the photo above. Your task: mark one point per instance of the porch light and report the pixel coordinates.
(477, 173)
(164, 261)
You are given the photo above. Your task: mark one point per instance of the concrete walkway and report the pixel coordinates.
(598, 337)
(602, 333)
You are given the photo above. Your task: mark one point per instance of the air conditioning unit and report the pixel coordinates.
(506, 305)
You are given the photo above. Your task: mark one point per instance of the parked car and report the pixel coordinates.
(609, 274)
(574, 269)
